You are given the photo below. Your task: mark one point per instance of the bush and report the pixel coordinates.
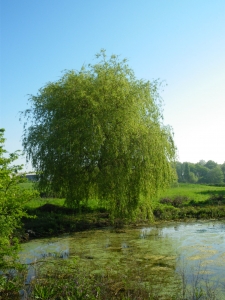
(177, 201)
(12, 199)
(166, 213)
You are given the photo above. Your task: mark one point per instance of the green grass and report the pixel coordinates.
(186, 201)
(93, 204)
(181, 202)
(35, 203)
(196, 192)
(38, 202)
(27, 185)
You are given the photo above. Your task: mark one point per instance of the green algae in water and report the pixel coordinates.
(152, 256)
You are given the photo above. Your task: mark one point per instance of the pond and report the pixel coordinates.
(160, 255)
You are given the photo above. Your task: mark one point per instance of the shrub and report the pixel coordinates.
(12, 199)
(177, 201)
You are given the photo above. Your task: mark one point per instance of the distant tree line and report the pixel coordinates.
(202, 172)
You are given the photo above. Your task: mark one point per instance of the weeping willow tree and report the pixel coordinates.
(98, 133)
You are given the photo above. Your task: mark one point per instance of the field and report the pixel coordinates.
(196, 192)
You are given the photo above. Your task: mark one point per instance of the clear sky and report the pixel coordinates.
(182, 42)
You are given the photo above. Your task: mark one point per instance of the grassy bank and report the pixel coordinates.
(186, 201)
(180, 202)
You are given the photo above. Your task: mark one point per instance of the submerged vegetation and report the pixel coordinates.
(99, 266)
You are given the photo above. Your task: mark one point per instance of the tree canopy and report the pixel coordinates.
(98, 133)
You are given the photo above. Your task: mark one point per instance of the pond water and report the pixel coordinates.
(156, 254)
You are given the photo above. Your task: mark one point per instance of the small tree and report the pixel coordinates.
(202, 172)
(211, 164)
(215, 176)
(186, 172)
(202, 162)
(180, 172)
(12, 199)
(223, 170)
(99, 133)
(192, 177)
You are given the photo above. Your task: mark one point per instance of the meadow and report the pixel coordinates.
(185, 201)
(197, 192)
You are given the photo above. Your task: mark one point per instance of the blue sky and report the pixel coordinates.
(179, 42)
